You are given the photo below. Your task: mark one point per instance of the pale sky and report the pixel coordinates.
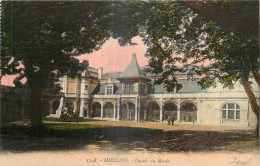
(112, 57)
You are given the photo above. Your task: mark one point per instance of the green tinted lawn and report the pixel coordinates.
(78, 136)
(69, 119)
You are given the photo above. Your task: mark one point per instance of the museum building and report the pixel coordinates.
(131, 95)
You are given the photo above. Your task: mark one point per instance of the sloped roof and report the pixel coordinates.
(188, 86)
(186, 71)
(111, 75)
(133, 69)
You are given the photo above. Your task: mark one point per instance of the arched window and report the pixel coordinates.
(96, 110)
(230, 111)
(108, 110)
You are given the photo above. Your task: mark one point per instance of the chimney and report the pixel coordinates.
(100, 72)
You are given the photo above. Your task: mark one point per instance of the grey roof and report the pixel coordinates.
(149, 74)
(111, 75)
(133, 69)
(188, 86)
(101, 89)
(187, 70)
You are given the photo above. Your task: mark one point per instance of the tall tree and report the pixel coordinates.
(187, 32)
(41, 40)
(174, 28)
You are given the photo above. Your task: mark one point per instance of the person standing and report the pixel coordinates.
(169, 120)
(172, 119)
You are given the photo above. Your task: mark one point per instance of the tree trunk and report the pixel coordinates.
(255, 72)
(252, 99)
(35, 111)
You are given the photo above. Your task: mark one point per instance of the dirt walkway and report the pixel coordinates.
(156, 125)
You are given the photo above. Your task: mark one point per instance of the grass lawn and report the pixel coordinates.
(69, 119)
(71, 127)
(77, 136)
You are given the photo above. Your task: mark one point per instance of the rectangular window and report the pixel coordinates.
(142, 88)
(109, 89)
(129, 88)
(224, 114)
(237, 114)
(230, 114)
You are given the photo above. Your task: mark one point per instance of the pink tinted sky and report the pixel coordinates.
(112, 57)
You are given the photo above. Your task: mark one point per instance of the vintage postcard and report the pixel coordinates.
(168, 83)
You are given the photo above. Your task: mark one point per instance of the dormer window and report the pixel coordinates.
(109, 89)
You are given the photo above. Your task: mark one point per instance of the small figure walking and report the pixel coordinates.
(169, 120)
(172, 119)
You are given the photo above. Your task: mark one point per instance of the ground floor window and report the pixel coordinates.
(230, 111)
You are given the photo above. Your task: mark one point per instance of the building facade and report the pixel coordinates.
(130, 95)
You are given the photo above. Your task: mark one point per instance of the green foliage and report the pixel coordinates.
(46, 37)
(175, 34)
(41, 40)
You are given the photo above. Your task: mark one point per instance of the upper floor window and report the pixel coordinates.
(230, 111)
(109, 89)
(129, 88)
(142, 89)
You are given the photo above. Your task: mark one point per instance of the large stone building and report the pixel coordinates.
(130, 95)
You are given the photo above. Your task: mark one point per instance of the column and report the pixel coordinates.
(81, 112)
(198, 102)
(161, 109)
(75, 104)
(136, 107)
(139, 109)
(114, 111)
(179, 110)
(118, 111)
(83, 91)
(58, 111)
(64, 85)
(145, 109)
(128, 116)
(118, 108)
(102, 110)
